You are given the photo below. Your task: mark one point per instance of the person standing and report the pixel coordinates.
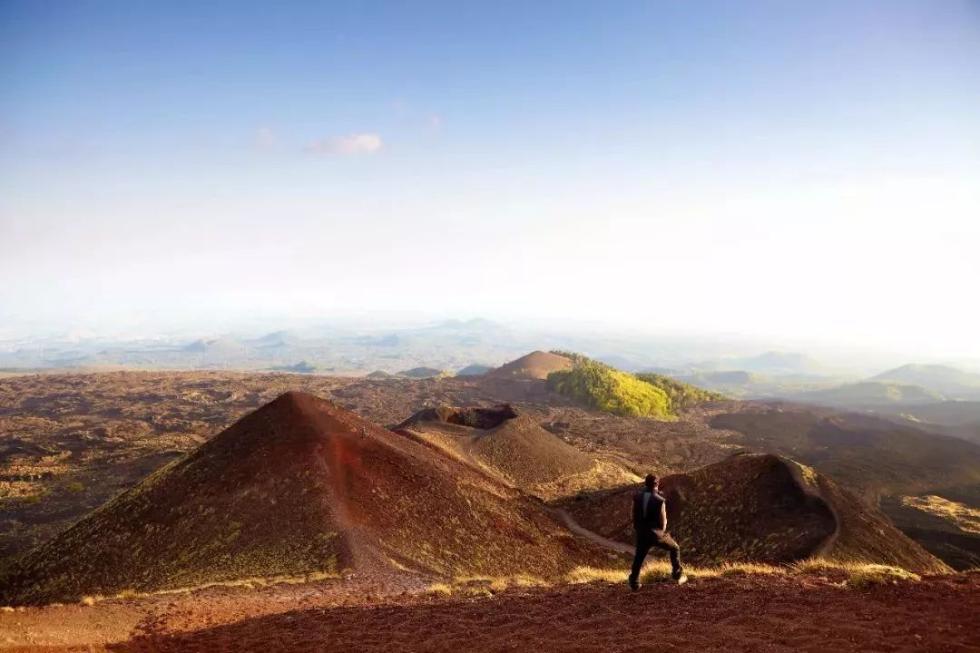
(650, 524)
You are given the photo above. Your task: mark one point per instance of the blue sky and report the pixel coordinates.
(794, 170)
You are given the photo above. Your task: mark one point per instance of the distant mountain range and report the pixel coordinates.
(477, 346)
(868, 393)
(947, 381)
(778, 363)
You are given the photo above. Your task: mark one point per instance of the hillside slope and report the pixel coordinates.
(513, 448)
(872, 456)
(299, 486)
(536, 365)
(759, 508)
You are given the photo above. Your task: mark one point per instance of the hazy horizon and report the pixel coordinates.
(780, 173)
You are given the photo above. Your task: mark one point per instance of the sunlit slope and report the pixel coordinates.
(536, 365)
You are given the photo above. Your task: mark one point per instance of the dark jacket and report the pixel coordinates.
(649, 519)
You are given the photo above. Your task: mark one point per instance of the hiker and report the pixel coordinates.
(650, 523)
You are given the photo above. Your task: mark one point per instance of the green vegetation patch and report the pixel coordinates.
(682, 395)
(603, 387)
(608, 389)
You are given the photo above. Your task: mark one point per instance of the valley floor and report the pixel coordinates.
(737, 613)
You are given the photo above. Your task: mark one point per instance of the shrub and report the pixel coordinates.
(682, 395)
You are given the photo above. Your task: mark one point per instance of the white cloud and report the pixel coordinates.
(366, 143)
(266, 139)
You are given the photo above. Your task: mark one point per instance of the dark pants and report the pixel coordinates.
(659, 539)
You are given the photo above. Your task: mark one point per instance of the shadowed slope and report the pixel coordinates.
(760, 508)
(297, 487)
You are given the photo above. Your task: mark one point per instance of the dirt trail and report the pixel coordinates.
(576, 528)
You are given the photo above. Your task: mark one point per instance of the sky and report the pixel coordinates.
(794, 171)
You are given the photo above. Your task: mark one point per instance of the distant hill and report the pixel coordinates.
(298, 487)
(421, 373)
(535, 366)
(755, 385)
(760, 508)
(276, 339)
(770, 363)
(868, 393)
(938, 379)
(215, 346)
(301, 367)
(731, 377)
(474, 370)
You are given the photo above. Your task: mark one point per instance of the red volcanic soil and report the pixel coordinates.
(536, 365)
(743, 613)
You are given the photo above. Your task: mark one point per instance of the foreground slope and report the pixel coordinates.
(299, 486)
(783, 613)
(760, 508)
(757, 614)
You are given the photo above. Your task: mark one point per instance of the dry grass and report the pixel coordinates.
(484, 585)
(963, 516)
(750, 569)
(871, 575)
(441, 589)
(856, 574)
(595, 575)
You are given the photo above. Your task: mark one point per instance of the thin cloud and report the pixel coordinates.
(266, 139)
(352, 144)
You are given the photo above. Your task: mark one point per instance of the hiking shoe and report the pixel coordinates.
(634, 585)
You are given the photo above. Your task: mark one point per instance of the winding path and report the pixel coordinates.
(578, 529)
